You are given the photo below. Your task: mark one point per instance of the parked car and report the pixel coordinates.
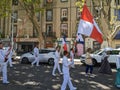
(45, 56)
(96, 56)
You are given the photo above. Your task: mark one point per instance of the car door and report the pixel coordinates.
(113, 55)
(97, 57)
(43, 55)
(31, 56)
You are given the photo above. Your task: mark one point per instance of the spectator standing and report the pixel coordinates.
(88, 62)
(105, 66)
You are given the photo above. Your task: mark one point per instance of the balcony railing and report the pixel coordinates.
(64, 19)
(49, 34)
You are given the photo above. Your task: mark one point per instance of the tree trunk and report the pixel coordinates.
(38, 30)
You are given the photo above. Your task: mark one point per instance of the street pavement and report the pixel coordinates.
(26, 77)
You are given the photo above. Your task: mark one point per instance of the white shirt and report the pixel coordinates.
(2, 56)
(65, 65)
(57, 55)
(71, 55)
(36, 52)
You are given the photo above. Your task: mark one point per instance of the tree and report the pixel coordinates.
(5, 8)
(31, 7)
(4, 12)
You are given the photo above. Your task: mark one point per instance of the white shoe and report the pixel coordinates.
(92, 76)
(61, 73)
(54, 74)
(6, 82)
(74, 88)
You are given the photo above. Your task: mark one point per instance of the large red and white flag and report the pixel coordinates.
(88, 26)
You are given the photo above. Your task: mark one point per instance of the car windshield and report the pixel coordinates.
(97, 51)
(45, 51)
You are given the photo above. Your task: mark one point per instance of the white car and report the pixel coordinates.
(45, 56)
(96, 56)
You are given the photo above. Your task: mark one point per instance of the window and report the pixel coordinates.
(49, 29)
(49, 15)
(78, 13)
(117, 2)
(64, 14)
(64, 0)
(114, 52)
(96, 45)
(118, 46)
(64, 29)
(14, 2)
(117, 13)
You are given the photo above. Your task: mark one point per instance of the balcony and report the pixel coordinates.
(49, 34)
(49, 3)
(64, 19)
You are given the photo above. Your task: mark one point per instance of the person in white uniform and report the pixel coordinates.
(56, 61)
(10, 56)
(36, 55)
(72, 57)
(3, 64)
(66, 74)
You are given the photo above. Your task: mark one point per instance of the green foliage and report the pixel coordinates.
(5, 8)
(32, 5)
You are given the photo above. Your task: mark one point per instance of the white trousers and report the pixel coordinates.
(56, 66)
(3, 67)
(73, 64)
(36, 61)
(66, 80)
(10, 61)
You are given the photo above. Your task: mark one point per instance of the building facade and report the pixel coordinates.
(60, 17)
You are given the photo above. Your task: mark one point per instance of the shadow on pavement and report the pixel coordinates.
(25, 77)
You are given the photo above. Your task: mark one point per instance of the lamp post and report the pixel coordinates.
(12, 30)
(12, 26)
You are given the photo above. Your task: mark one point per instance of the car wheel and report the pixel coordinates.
(25, 60)
(94, 62)
(51, 61)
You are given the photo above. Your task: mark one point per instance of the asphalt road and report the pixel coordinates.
(25, 77)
